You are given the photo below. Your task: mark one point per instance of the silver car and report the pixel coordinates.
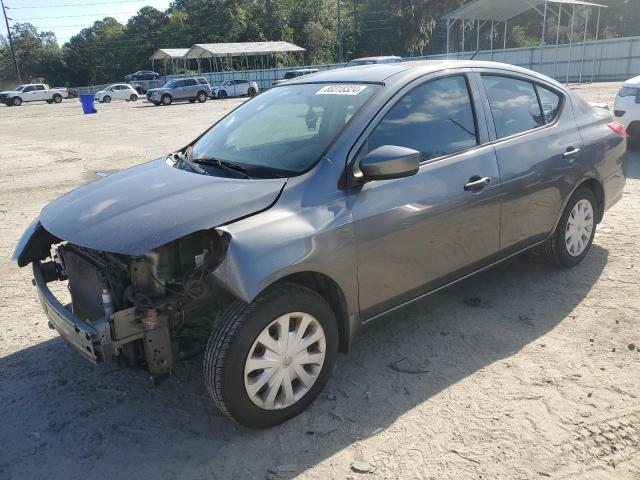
(191, 89)
(320, 205)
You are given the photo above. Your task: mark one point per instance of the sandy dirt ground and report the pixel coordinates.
(538, 379)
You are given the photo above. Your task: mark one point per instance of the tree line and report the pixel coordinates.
(107, 50)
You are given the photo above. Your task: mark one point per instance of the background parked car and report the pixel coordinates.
(142, 75)
(295, 73)
(33, 92)
(373, 60)
(627, 109)
(118, 91)
(190, 89)
(235, 88)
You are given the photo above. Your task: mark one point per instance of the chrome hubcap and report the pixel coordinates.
(285, 361)
(579, 227)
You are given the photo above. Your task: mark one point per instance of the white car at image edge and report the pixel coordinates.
(626, 108)
(117, 91)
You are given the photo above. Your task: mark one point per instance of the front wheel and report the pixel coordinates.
(266, 361)
(222, 94)
(17, 101)
(167, 100)
(252, 92)
(106, 99)
(572, 239)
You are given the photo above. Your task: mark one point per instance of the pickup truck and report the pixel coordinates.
(33, 92)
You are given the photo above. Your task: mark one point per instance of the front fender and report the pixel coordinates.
(309, 229)
(35, 244)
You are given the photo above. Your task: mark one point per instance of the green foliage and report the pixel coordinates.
(108, 50)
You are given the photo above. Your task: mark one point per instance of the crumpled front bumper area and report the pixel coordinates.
(87, 339)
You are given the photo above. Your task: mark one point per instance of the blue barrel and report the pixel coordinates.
(88, 105)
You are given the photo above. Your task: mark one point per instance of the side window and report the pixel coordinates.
(435, 119)
(39, 87)
(514, 105)
(190, 82)
(27, 89)
(550, 102)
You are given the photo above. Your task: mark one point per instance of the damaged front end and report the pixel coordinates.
(149, 309)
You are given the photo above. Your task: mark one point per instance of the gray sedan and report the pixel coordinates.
(319, 206)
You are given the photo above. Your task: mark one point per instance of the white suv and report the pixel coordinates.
(626, 108)
(235, 88)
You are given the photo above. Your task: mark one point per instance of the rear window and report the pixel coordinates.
(514, 105)
(202, 81)
(550, 102)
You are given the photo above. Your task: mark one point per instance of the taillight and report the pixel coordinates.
(619, 129)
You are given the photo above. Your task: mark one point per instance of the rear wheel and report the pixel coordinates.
(133, 97)
(167, 100)
(57, 98)
(268, 360)
(16, 101)
(202, 97)
(106, 99)
(572, 239)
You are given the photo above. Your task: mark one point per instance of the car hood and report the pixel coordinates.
(157, 89)
(633, 82)
(9, 92)
(139, 209)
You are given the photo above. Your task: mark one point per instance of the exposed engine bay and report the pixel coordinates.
(149, 310)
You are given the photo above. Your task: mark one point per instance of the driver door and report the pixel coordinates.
(417, 233)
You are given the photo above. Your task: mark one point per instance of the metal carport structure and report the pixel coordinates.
(171, 54)
(217, 52)
(497, 11)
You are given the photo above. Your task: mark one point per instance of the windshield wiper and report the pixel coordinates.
(186, 159)
(224, 165)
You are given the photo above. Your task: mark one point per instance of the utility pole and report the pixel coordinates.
(269, 15)
(13, 53)
(340, 37)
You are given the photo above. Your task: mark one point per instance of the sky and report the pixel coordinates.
(67, 17)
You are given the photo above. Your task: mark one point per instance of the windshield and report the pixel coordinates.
(170, 84)
(108, 89)
(284, 131)
(355, 63)
(19, 88)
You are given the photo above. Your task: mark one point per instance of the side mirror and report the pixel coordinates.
(388, 162)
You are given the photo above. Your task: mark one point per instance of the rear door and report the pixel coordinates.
(415, 234)
(191, 87)
(536, 143)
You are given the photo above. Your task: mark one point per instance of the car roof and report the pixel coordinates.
(374, 58)
(381, 73)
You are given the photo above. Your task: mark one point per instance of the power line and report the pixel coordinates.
(105, 14)
(76, 4)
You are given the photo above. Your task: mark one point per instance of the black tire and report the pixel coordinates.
(106, 99)
(157, 104)
(202, 97)
(252, 92)
(57, 98)
(49, 102)
(555, 248)
(192, 100)
(222, 94)
(133, 97)
(8, 103)
(230, 342)
(16, 101)
(167, 99)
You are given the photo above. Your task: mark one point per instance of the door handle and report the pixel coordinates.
(477, 183)
(571, 153)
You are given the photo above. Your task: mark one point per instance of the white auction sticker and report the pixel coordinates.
(341, 90)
